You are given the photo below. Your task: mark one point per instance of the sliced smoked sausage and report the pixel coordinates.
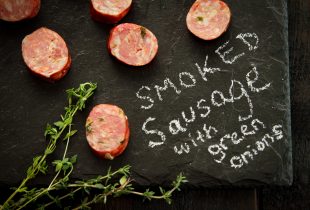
(208, 19)
(109, 11)
(132, 44)
(107, 131)
(46, 54)
(16, 10)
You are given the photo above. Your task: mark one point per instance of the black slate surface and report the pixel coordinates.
(28, 103)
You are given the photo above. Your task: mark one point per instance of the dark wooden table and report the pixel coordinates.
(295, 197)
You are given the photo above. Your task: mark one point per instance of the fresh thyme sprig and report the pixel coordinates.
(103, 186)
(106, 188)
(76, 99)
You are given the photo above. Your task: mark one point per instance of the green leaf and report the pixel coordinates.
(148, 194)
(48, 151)
(58, 164)
(23, 189)
(36, 160)
(168, 200)
(40, 207)
(162, 190)
(66, 166)
(123, 180)
(68, 120)
(86, 190)
(73, 159)
(47, 129)
(43, 167)
(68, 135)
(59, 124)
(99, 186)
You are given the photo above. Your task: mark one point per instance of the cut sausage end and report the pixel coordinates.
(109, 11)
(208, 19)
(17, 10)
(132, 44)
(107, 131)
(46, 54)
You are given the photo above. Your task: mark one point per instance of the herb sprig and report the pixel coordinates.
(76, 101)
(60, 187)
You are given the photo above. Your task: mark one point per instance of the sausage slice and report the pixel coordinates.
(107, 131)
(109, 11)
(16, 10)
(208, 19)
(132, 44)
(46, 54)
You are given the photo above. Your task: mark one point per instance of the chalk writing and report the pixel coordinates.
(148, 98)
(224, 54)
(191, 78)
(244, 37)
(217, 141)
(167, 83)
(252, 81)
(203, 71)
(157, 132)
(239, 161)
(218, 99)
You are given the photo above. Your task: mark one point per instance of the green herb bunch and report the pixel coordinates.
(60, 187)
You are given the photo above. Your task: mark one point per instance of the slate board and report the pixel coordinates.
(258, 34)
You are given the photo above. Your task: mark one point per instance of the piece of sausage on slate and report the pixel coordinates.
(17, 10)
(46, 54)
(109, 11)
(107, 131)
(132, 44)
(208, 19)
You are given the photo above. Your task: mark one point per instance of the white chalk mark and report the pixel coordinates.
(167, 83)
(257, 121)
(200, 136)
(250, 82)
(208, 131)
(191, 78)
(267, 136)
(224, 138)
(235, 139)
(193, 116)
(243, 156)
(260, 145)
(193, 141)
(148, 98)
(235, 165)
(277, 131)
(175, 127)
(222, 98)
(225, 53)
(157, 132)
(203, 72)
(244, 93)
(245, 132)
(218, 150)
(199, 106)
(184, 148)
(243, 37)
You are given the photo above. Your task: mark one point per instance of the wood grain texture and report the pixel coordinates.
(298, 195)
(215, 199)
